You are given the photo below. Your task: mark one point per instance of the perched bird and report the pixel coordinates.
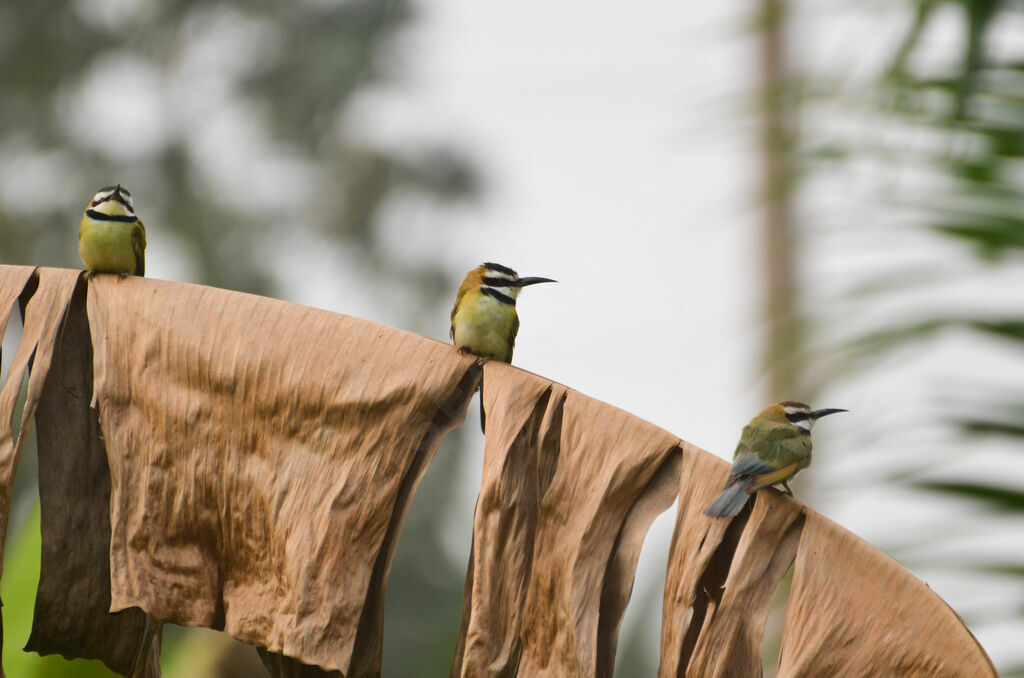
(774, 446)
(484, 319)
(111, 239)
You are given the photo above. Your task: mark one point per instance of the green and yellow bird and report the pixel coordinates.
(773, 447)
(111, 239)
(484, 318)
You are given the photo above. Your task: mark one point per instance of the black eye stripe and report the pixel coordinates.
(498, 282)
(797, 416)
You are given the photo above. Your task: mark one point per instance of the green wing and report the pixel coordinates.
(512, 335)
(463, 290)
(769, 449)
(139, 248)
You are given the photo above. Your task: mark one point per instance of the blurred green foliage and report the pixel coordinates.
(18, 591)
(977, 109)
(946, 145)
(230, 121)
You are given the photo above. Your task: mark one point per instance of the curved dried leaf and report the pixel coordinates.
(855, 611)
(852, 610)
(731, 641)
(722, 575)
(263, 456)
(73, 600)
(570, 487)
(50, 291)
(13, 281)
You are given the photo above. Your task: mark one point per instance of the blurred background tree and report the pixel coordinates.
(231, 123)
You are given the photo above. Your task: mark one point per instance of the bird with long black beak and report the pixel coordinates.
(773, 447)
(484, 318)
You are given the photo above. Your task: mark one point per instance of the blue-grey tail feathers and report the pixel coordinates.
(730, 502)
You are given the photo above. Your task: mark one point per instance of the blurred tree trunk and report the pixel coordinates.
(778, 303)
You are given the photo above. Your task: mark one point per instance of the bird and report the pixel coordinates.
(773, 447)
(111, 238)
(484, 318)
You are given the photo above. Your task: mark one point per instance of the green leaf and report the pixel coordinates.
(1002, 499)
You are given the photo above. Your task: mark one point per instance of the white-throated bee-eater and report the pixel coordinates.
(111, 239)
(484, 318)
(773, 447)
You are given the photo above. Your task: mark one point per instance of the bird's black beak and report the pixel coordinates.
(818, 414)
(524, 282)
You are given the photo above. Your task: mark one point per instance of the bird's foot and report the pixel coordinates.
(89, 275)
(786, 485)
(121, 276)
(464, 350)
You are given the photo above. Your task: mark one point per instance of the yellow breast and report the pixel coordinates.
(484, 326)
(109, 246)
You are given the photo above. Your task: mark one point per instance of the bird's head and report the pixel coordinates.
(112, 201)
(503, 281)
(798, 414)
